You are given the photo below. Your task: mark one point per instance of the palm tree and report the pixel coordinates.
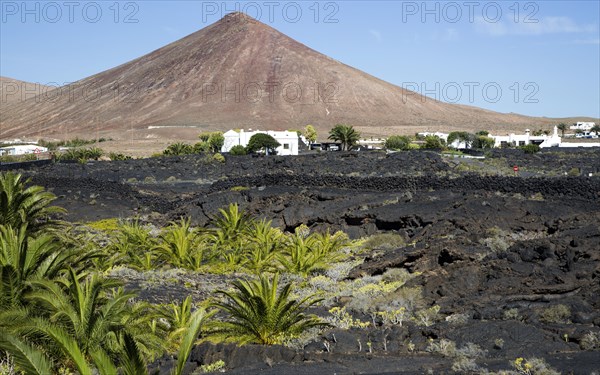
(132, 245)
(595, 129)
(563, 128)
(26, 357)
(26, 205)
(264, 246)
(230, 234)
(24, 259)
(344, 134)
(181, 246)
(178, 317)
(178, 148)
(233, 222)
(197, 319)
(258, 313)
(300, 256)
(37, 346)
(96, 314)
(85, 308)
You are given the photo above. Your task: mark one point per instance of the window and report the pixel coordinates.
(286, 146)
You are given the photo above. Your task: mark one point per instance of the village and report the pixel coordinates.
(580, 134)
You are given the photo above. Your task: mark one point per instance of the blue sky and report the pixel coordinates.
(538, 58)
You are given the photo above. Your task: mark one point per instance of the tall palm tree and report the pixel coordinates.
(344, 134)
(26, 205)
(595, 129)
(563, 128)
(258, 312)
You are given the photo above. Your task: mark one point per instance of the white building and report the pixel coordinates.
(543, 141)
(289, 140)
(22, 150)
(583, 126)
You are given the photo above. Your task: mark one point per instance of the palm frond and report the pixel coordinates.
(27, 358)
(189, 339)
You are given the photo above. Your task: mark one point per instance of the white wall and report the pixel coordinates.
(22, 150)
(288, 140)
(583, 126)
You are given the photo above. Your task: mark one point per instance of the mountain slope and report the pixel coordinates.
(240, 73)
(14, 91)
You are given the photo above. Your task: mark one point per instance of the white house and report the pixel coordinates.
(288, 140)
(22, 150)
(583, 126)
(512, 139)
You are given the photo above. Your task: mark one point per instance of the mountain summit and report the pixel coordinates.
(238, 73)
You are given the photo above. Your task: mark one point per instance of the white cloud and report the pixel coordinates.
(377, 35)
(543, 26)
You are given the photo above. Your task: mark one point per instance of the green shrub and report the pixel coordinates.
(590, 341)
(427, 317)
(530, 148)
(556, 314)
(464, 365)
(483, 142)
(387, 241)
(117, 156)
(533, 366)
(218, 366)
(238, 150)
(512, 314)
(433, 142)
(201, 147)
(17, 158)
(443, 347)
(574, 172)
(81, 154)
(105, 225)
(211, 142)
(397, 142)
(178, 148)
(219, 158)
(263, 142)
(239, 188)
(342, 319)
